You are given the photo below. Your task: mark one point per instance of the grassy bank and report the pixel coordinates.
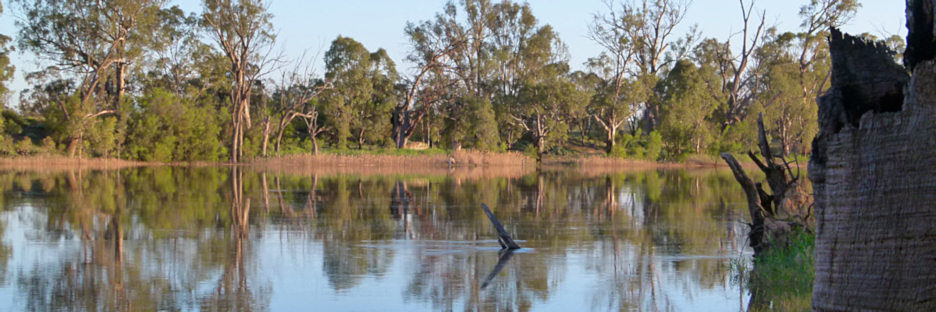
(782, 278)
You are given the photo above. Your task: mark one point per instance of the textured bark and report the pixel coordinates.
(872, 173)
(774, 215)
(755, 206)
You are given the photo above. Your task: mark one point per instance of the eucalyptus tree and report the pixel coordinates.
(794, 68)
(483, 42)
(362, 93)
(176, 53)
(687, 108)
(650, 27)
(546, 95)
(636, 37)
(294, 95)
(243, 30)
(6, 73)
(731, 64)
(432, 53)
(6, 69)
(95, 40)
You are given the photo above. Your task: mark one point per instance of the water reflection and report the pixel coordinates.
(242, 239)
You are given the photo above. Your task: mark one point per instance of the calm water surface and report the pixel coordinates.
(242, 239)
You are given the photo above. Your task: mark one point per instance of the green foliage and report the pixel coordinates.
(654, 145)
(481, 132)
(492, 77)
(687, 107)
(6, 69)
(784, 273)
(6, 146)
(101, 138)
(47, 146)
(25, 147)
(166, 128)
(362, 96)
(639, 146)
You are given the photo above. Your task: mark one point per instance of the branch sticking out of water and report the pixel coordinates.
(503, 237)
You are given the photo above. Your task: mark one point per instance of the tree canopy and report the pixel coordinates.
(149, 81)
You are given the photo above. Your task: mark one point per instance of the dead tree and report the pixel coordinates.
(776, 213)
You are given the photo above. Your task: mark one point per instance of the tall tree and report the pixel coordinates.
(242, 29)
(431, 52)
(362, 94)
(687, 108)
(6, 69)
(546, 92)
(293, 98)
(789, 101)
(95, 40)
(731, 65)
(636, 37)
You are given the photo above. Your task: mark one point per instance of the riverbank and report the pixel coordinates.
(388, 161)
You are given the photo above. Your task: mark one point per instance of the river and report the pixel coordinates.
(182, 238)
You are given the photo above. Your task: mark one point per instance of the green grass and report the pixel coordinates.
(782, 278)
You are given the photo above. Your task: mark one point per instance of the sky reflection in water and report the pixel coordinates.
(239, 239)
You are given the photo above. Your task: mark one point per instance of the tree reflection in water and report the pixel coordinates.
(199, 238)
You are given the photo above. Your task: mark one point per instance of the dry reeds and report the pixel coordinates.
(461, 164)
(56, 163)
(458, 159)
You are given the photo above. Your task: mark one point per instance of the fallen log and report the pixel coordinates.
(503, 237)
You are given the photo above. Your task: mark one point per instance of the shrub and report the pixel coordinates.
(25, 147)
(654, 145)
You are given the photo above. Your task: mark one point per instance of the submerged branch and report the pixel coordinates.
(503, 237)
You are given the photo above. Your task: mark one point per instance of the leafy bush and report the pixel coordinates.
(166, 128)
(654, 145)
(25, 147)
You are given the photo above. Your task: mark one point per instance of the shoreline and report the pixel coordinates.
(459, 160)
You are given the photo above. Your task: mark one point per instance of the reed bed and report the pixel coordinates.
(58, 163)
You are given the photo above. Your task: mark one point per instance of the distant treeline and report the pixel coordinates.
(137, 79)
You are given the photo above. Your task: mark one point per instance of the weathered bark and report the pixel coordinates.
(755, 207)
(872, 172)
(773, 215)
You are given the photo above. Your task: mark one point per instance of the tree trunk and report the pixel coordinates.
(360, 140)
(279, 140)
(73, 146)
(266, 136)
(609, 141)
(400, 127)
(873, 175)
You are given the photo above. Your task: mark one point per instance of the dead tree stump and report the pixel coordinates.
(775, 214)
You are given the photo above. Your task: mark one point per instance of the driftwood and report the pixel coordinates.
(772, 214)
(503, 237)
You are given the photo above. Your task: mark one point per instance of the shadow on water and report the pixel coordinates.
(171, 238)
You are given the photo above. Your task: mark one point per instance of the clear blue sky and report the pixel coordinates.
(311, 25)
